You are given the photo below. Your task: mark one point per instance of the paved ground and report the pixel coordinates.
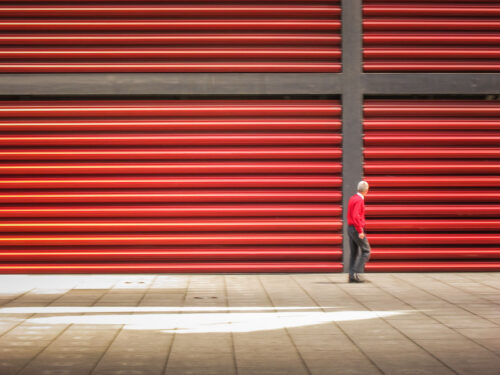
(250, 324)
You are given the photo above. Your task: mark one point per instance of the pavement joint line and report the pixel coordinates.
(286, 329)
(60, 333)
(42, 349)
(401, 332)
(18, 296)
(463, 290)
(467, 276)
(226, 295)
(23, 320)
(452, 328)
(368, 358)
(169, 351)
(107, 347)
(120, 330)
(454, 303)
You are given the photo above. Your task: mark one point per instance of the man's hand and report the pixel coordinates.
(361, 235)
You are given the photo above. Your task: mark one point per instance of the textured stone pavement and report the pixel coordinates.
(293, 324)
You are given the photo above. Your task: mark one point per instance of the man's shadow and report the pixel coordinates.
(338, 282)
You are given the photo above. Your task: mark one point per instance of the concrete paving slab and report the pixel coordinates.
(244, 324)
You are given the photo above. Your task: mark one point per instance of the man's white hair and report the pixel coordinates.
(362, 186)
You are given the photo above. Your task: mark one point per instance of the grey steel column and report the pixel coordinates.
(352, 108)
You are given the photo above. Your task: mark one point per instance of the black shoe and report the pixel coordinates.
(356, 278)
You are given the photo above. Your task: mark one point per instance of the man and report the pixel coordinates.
(360, 248)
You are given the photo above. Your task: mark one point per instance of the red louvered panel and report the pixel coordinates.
(170, 186)
(165, 36)
(430, 36)
(433, 208)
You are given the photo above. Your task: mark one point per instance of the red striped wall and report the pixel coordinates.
(434, 171)
(170, 186)
(163, 36)
(431, 36)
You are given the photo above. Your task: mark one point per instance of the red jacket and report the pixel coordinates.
(356, 212)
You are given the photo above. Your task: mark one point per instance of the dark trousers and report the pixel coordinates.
(360, 251)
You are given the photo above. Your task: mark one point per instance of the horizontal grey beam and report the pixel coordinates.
(170, 84)
(430, 83)
(116, 84)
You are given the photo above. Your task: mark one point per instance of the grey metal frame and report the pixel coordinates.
(351, 85)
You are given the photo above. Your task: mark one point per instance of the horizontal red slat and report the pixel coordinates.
(377, 1)
(324, 2)
(423, 9)
(434, 225)
(433, 24)
(443, 195)
(431, 103)
(183, 67)
(170, 25)
(420, 210)
(430, 52)
(470, 253)
(192, 267)
(433, 139)
(176, 254)
(166, 10)
(429, 168)
(143, 225)
(234, 182)
(177, 196)
(175, 239)
(158, 108)
(177, 39)
(427, 153)
(165, 139)
(431, 38)
(377, 239)
(441, 66)
(173, 168)
(432, 266)
(431, 108)
(257, 124)
(430, 124)
(171, 153)
(157, 210)
(184, 103)
(169, 54)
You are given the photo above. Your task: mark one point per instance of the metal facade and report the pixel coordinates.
(101, 125)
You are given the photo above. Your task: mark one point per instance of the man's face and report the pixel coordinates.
(366, 191)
